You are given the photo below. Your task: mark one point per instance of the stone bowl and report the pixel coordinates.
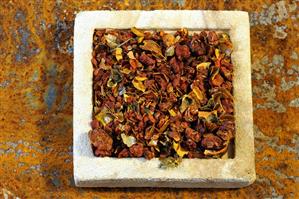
(91, 171)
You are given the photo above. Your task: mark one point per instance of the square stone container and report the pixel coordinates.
(91, 171)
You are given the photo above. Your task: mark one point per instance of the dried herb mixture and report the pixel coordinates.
(158, 94)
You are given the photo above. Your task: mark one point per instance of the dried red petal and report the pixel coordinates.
(101, 141)
(192, 134)
(190, 144)
(146, 59)
(211, 141)
(174, 135)
(176, 65)
(213, 38)
(198, 46)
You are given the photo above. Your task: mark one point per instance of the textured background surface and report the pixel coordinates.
(36, 98)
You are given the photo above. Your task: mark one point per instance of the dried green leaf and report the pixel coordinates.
(111, 84)
(115, 77)
(186, 102)
(177, 38)
(169, 51)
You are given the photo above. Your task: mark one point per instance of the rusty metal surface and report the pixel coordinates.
(36, 98)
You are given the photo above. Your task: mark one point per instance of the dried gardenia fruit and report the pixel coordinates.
(136, 150)
(101, 141)
(182, 51)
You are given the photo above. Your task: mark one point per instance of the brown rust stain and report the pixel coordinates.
(36, 98)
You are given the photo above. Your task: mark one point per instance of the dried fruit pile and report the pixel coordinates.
(159, 94)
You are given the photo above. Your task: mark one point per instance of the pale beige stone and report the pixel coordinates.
(90, 171)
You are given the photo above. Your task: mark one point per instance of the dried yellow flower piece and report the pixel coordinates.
(203, 65)
(179, 150)
(152, 46)
(172, 113)
(128, 140)
(137, 32)
(104, 117)
(138, 85)
(111, 40)
(168, 39)
(198, 93)
(118, 54)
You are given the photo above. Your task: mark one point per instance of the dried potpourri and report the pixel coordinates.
(157, 94)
